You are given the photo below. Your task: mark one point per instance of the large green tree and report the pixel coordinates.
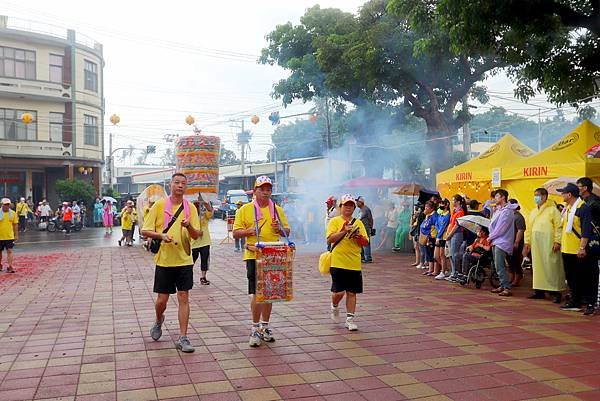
(394, 57)
(70, 190)
(550, 45)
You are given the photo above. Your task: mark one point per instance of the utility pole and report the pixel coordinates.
(466, 128)
(110, 163)
(539, 144)
(328, 127)
(243, 156)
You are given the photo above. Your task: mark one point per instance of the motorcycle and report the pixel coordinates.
(56, 223)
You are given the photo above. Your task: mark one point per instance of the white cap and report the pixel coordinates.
(6, 201)
(347, 198)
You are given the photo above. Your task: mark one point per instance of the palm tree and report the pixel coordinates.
(168, 157)
(127, 153)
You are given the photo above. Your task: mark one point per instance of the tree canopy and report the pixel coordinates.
(227, 157)
(396, 57)
(70, 190)
(550, 45)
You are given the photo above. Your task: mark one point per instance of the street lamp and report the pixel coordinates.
(114, 119)
(541, 131)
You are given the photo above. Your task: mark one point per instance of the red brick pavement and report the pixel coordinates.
(75, 326)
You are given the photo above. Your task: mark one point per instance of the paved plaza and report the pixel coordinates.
(74, 325)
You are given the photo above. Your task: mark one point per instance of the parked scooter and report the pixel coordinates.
(56, 223)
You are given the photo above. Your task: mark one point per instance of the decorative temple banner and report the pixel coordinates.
(274, 268)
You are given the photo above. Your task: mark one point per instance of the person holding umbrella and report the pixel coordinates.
(542, 238)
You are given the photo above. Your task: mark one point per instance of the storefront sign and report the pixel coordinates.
(468, 176)
(539, 171)
(10, 178)
(496, 177)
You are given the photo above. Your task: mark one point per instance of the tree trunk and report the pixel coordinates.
(439, 145)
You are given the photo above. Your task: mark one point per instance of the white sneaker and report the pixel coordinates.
(440, 276)
(267, 335)
(350, 325)
(423, 267)
(335, 312)
(254, 340)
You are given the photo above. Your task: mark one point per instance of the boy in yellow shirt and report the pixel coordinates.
(268, 218)
(174, 264)
(128, 217)
(201, 245)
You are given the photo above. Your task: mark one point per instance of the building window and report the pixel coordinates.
(56, 68)
(90, 130)
(91, 76)
(17, 63)
(56, 127)
(12, 128)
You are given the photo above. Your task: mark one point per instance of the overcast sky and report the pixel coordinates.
(191, 58)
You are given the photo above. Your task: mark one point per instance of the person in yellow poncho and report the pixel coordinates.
(543, 237)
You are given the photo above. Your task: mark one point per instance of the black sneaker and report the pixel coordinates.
(589, 310)
(569, 306)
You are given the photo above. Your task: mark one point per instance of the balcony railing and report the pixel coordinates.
(43, 28)
(44, 89)
(34, 148)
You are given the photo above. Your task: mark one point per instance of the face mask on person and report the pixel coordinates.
(537, 199)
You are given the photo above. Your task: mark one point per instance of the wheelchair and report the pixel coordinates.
(483, 269)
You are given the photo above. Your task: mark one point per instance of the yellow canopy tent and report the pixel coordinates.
(474, 177)
(565, 158)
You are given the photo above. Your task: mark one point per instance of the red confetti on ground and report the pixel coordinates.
(29, 265)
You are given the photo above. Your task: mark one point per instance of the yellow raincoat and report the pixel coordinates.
(544, 228)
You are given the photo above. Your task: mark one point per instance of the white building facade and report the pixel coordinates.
(56, 76)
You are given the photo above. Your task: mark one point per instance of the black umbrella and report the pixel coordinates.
(426, 194)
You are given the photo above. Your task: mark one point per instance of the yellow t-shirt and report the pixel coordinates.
(127, 219)
(570, 242)
(22, 208)
(346, 254)
(244, 219)
(6, 225)
(171, 254)
(204, 239)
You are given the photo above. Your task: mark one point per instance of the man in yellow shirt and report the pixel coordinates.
(9, 232)
(174, 264)
(581, 270)
(201, 245)
(347, 237)
(22, 210)
(268, 219)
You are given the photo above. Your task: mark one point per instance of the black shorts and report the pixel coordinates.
(441, 244)
(346, 280)
(7, 244)
(204, 253)
(127, 233)
(169, 280)
(251, 275)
